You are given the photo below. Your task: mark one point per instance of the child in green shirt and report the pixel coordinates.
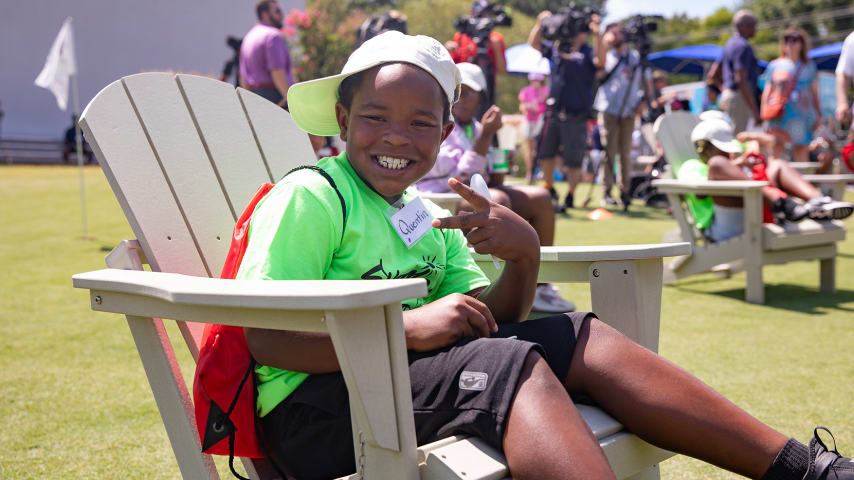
(475, 367)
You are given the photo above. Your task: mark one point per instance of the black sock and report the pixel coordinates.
(791, 463)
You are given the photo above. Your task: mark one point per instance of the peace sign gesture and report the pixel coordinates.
(492, 228)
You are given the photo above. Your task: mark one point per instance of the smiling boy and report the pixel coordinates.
(475, 367)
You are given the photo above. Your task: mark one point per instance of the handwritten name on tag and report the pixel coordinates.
(412, 222)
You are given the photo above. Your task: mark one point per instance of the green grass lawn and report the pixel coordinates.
(75, 402)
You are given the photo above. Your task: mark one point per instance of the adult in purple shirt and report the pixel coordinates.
(265, 61)
(740, 70)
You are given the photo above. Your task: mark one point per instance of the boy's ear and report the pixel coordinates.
(446, 130)
(342, 115)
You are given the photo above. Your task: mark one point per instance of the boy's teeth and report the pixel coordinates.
(391, 162)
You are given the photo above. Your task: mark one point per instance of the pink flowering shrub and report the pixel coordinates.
(321, 37)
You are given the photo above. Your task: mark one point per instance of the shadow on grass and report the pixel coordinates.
(787, 297)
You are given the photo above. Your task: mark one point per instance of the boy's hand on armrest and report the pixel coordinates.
(493, 228)
(447, 320)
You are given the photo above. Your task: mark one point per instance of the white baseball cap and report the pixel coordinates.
(715, 114)
(312, 103)
(472, 76)
(719, 132)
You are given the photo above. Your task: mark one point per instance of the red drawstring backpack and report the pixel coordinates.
(223, 392)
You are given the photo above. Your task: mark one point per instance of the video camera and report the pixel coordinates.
(637, 30)
(479, 26)
(373, 26)
(569, 22)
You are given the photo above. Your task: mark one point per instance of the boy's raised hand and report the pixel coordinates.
(492, 228)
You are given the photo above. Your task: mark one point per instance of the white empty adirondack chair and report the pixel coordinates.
(761, 244)
(183, 155)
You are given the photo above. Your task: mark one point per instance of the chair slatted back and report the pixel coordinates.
(183, 155)
(673, 131)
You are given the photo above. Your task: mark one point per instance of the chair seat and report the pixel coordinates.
(806, 233)
(470, 458)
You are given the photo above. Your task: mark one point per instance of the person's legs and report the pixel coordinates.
(609, 128)
(786, 178)
(547, 149)
(626, 128)
(667, 406)
(534, 204)
(530, 151)
(574, 140)
(734, 104)
(545, 436)
(801, 153)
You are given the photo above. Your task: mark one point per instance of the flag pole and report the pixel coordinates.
(79, 138)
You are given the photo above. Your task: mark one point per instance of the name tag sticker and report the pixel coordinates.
(412, 222)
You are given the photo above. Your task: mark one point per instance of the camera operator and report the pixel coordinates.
(377, 24)
(618, 101)
(563, 40)
(465, 44)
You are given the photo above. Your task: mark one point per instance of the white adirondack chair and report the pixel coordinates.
(761, 244)
(183, 155)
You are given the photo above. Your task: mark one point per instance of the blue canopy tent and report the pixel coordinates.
(826, 56)
(690, 60)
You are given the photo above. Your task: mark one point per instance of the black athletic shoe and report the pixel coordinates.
(825, 208)
(558, 207)
(827, 464)
(626, 199)
(569, 201)
(787, 209)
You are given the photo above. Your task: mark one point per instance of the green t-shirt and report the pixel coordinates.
(296, 234)
(702, 210)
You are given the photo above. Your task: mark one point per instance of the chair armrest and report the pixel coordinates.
(248, 303)
(570, 264)
(724, 188)
(830, 178)
(268, 294)
(446, 200)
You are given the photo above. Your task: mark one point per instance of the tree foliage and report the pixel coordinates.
(322, 37)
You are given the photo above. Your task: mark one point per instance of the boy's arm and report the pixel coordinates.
(494, 229)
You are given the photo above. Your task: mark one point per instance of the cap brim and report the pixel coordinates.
(312, 104)
(472, 85)
(732, 146)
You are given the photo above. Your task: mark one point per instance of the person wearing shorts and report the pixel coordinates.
(532, 104)
(573, 72)
(477, 403)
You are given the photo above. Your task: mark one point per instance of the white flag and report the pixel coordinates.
(60, 65)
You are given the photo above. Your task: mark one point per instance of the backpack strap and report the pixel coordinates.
(329, 179)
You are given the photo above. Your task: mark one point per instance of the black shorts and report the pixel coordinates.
(564, 134)
(466, 388)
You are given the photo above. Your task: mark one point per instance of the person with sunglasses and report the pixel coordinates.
(791, 79)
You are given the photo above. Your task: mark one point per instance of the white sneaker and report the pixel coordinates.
(548, 300)
(825, 208)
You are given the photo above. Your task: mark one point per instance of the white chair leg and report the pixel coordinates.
(626, 294)
(755, 292)
(172, 397)
(827, 277)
